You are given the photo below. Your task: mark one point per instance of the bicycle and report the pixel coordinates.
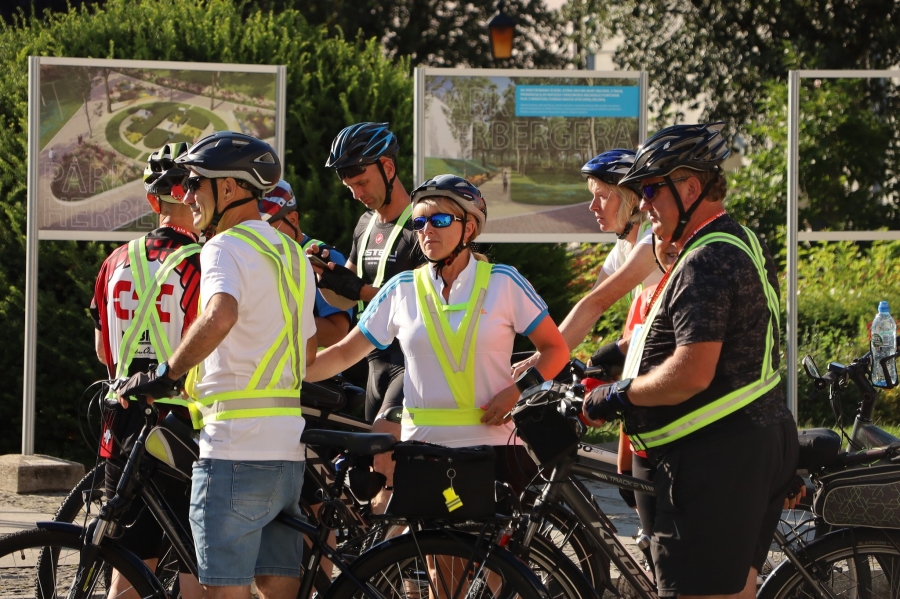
(63, 557)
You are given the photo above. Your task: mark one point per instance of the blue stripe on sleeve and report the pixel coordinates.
(522, 282)
(534, 323)
(370, 337)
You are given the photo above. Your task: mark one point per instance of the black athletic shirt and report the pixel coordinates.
(715, 295)
(405, 254)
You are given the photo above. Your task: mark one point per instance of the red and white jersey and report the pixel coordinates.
(115, 299)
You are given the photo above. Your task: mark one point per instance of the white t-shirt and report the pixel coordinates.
(511, 306)
(619, 254)
(230, 265)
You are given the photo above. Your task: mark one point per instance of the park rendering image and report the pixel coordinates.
(98, 125)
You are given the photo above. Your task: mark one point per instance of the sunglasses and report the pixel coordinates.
(192, 184)
(649, 191)
(438, 221)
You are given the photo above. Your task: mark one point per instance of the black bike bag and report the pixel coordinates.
(860, 497)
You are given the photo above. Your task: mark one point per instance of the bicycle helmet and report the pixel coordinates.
(465, 195)
(250, 161)
(362, 144)
(609, 167)
(163, 180)
(277, 204)
(698, 147)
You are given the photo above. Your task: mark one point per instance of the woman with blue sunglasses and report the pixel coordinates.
(456, 319)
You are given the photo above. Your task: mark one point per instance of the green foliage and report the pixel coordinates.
(160, 137)
(113, 137)
(197, 120)
(159, 111)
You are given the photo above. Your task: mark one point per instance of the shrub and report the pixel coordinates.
(197, 120)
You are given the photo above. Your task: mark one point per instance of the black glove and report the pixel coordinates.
(147, 384)
(610, 357)
(342, 281)
(605, 402)
(627, 494)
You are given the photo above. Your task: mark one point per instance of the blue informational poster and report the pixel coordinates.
(577, 101)
(522, 138)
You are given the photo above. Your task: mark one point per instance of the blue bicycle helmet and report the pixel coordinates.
(610, 166)
(362, 144)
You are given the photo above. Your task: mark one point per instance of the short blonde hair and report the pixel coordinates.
(628, 204)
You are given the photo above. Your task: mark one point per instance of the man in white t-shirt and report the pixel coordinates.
(246, 354)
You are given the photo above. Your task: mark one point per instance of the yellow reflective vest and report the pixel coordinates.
(263, 396)
(737, 399)
(455, 350)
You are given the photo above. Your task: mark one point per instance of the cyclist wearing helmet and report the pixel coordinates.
(279, 209)
(701, 390)
(629, 266)
(145, 298)
(456, 319)
(246, 355)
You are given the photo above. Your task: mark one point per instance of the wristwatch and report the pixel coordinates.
(622, 389)
(163, 371)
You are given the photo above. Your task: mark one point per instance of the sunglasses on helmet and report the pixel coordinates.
(438, 221)
(649, 190)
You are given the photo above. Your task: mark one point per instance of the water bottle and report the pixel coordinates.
(884, 343)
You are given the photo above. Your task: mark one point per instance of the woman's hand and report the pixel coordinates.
(496, 411)
(519, 367)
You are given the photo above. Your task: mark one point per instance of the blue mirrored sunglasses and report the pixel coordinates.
(438, 221)
(649, 191)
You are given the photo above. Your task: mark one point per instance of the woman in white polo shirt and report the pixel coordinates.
(456, 319)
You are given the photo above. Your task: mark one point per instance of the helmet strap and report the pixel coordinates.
(388, 185)
(293, 228)
(684, 216)
(218, 214)
(655, 258)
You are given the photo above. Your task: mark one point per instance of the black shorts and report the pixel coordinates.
(718, 501)
(385, 386)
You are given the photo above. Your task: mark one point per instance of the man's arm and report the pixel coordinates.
(342, 303)
(683, 375)
(207, 332)
(98, 347)
(332, 328)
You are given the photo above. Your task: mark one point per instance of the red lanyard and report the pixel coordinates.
(184, 232)
(662, 282)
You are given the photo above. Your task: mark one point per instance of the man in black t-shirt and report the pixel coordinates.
(384, 245)
(700, 390)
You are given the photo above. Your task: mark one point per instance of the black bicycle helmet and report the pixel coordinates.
(163, 180)
(610, 166)
(460, 191)
(230, 154)
(360, 145)
(699, 147)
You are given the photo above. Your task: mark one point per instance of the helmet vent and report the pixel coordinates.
(266, 158)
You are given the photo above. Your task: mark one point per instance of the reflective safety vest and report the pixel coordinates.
(385, 254)
(262, 396)
(454, 349)
(640, 286)
(146, 316)
(737, 399)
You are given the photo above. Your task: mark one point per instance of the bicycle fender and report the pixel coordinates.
(112, 546)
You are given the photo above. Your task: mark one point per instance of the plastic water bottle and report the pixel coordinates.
(884, 343)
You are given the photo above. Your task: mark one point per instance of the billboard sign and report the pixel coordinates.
(522, 137)
(101, 119)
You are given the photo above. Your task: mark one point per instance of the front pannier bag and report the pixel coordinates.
(860, 497)
(437, 482)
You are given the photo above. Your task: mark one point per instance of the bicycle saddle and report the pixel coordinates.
(819, 447)
(355, 443)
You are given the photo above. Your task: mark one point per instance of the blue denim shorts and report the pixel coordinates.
(233, 509)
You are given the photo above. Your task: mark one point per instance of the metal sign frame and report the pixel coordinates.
(32, 233)
(794, 235)
(642, 78)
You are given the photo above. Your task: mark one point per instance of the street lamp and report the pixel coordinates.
(502, 28)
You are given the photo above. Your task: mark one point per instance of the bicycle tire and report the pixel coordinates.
(42, 563)
(71, 510)
(852, 562)
(397, 569)
(561, 577)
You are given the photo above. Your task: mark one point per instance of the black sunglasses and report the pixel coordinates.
(438, 221)
(649, 190)
(192, 184)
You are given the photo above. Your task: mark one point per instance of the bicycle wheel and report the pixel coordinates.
(403, 568)
(561, 578)
(73, 508)
(42, 564)
(852, 562)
